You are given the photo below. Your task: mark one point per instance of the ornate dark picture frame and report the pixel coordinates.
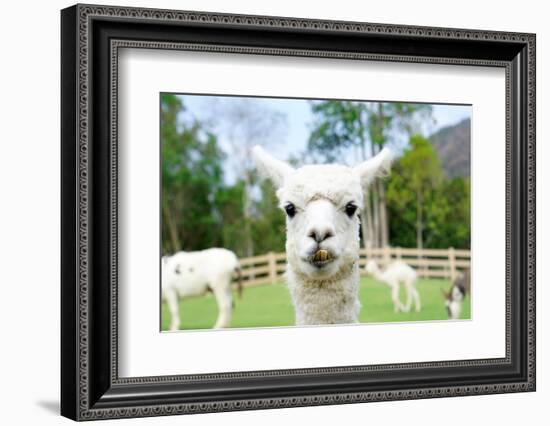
(90, 38)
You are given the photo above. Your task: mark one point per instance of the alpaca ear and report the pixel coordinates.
(271, 168)
(377, 166)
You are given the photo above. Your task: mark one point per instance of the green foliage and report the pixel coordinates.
(268, 227)
(449, 213)
(191, 173)
(420, 165)
(366, 127)
(200, 209)
(231, 218)
(339, 125)
(417, 177)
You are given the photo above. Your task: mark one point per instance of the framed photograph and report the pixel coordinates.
(263, 212)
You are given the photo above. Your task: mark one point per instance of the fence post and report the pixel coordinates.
(398, 253)
(422, 266)
(452, 263)
(272, 265)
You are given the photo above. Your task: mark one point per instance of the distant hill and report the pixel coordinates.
(453, 146)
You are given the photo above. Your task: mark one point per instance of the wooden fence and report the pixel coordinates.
(429, 263)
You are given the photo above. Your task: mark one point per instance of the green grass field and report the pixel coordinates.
(270, 306)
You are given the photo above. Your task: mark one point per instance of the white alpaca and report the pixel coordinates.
(394, 275)
(322, 203)
(195, 273)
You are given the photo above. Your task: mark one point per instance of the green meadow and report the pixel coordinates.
(270, 306)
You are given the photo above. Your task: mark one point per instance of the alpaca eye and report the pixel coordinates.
(290, 210)
(351, 208)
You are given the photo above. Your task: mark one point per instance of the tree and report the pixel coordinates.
(448, 215)
(268, 228)
(244, 123)
(191, 175)
(416, 178)
(341, 126)
(205, 205)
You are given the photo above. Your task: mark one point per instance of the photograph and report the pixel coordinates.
(279, 212)
(344, 210)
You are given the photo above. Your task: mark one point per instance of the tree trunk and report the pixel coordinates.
(375, 209)
(366, 222)
(172, 228)
(376, 216)
(419, 220)
(249, 246)
(366, 217)
(384, 231)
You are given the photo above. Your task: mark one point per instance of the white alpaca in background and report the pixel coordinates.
(394, 275)
(195, 273)
(322, 203)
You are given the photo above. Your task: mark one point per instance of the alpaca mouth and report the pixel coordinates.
(321, 258)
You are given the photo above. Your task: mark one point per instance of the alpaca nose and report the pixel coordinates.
(320, 234)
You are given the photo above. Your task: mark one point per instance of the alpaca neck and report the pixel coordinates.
(377, 273)
(334, 300)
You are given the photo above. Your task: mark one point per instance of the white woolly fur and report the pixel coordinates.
(324, 293)
(194, 273)
(395, 274)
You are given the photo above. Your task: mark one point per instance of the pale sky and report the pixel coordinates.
(294, 131)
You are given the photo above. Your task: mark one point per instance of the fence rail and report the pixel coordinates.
(429, 263)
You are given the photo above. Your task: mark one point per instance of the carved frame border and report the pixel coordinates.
(85, 409)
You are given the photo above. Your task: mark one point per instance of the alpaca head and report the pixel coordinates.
(371, 267)
(453, 301)
(179, 267)
(322, 205)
